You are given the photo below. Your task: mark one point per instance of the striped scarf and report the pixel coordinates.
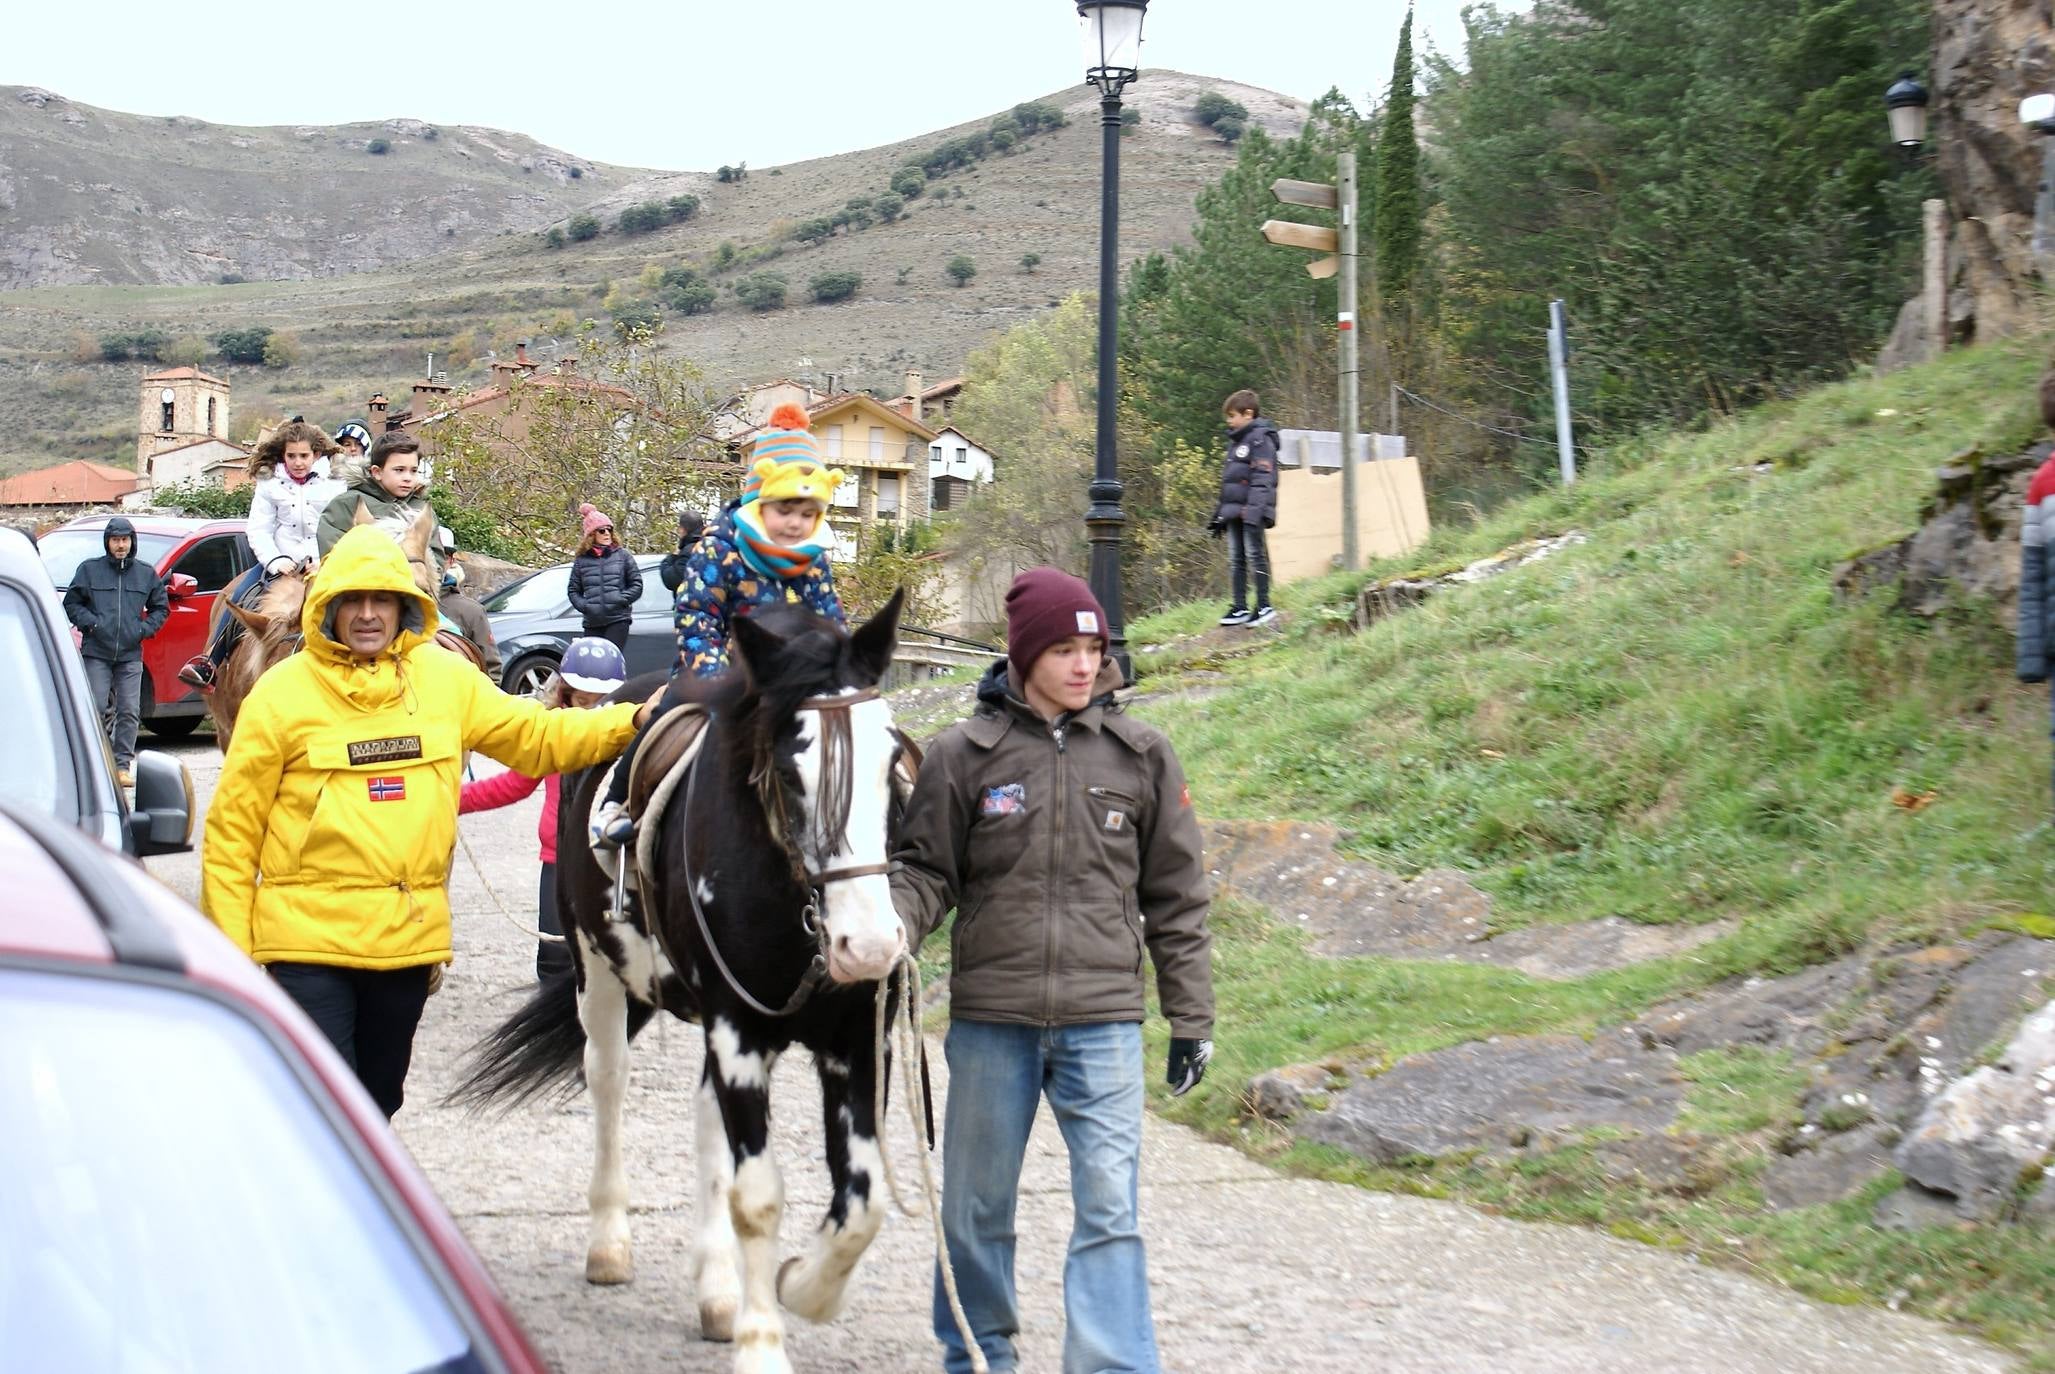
(768, 557)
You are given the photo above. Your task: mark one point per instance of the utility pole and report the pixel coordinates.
(1340, 247)
(1558, 355)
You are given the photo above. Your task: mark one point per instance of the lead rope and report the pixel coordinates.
(907, 1034)
(493, 893)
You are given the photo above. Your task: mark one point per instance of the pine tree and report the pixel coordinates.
(1396, 225)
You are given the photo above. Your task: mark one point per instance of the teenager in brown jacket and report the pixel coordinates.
(1061, 832)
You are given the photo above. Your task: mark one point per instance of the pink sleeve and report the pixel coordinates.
(488, 794)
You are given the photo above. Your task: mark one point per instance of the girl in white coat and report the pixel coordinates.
(292, 489)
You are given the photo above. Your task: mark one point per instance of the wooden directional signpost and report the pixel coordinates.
(1340, 247)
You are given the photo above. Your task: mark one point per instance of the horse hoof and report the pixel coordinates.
(717, 1320)
(611, 1264)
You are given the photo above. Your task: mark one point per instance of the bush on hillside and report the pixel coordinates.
(1003, 138)
(1033, 116)
(281, 351)
(829, 287)
(738, 172)
(1130, 120)
(684, 292)
(1214, 107)
(678, 209)
(762, 291)
(1230, 128)
(909, 182)
(960, 269)
(634, 317)
(378, 147)
(581, 227)
(888, 206)
(640, 219)
(231, 279)
(724, 256)
(553, 237)
(1030, 261)
(189, 350)
(243, 345)
(814, 230)
(124, 345)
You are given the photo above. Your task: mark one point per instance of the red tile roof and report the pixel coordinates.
(77, 483)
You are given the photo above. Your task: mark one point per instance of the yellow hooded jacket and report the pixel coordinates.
(331, 830)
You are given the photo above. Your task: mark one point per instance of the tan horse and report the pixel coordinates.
(272, 628)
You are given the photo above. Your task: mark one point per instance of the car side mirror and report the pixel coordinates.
(181, 585)
(162, 820)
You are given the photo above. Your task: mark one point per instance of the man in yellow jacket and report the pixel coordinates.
(328, 842)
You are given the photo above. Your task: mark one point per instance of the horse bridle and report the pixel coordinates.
(815, 881)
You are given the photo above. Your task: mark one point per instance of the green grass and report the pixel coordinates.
(1676, 722)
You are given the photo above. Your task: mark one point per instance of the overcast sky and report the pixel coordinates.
(664, 84)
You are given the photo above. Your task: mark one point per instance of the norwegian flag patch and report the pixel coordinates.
(387, 789)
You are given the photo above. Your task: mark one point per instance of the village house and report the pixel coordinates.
(957, 466)
(68, 487)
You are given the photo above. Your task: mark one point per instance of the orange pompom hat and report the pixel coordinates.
(786, 462)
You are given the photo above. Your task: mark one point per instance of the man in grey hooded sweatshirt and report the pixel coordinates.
(117, 601)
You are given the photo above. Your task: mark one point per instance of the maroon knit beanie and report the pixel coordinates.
(1044, 605)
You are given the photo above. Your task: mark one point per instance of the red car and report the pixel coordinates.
(198, 1180)
(213, 553)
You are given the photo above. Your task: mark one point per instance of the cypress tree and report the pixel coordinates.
(1396, 224)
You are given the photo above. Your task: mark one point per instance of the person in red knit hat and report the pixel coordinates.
(1060, 831)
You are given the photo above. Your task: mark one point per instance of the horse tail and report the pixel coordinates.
(536, 1053)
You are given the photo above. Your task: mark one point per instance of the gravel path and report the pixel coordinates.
(1252, 1271)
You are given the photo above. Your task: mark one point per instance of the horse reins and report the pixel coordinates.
(815, 882)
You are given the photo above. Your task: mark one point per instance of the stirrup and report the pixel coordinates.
(198, 673)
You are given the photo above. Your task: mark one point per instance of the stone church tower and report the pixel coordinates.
(179, 406)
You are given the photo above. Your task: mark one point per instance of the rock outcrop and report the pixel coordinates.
(1987, 56)
(1990, 1130)
(1966, 549)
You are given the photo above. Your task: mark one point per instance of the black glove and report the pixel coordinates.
(1217, 527)
(1188, 1060)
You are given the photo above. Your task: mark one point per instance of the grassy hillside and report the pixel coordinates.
(1675, 722)
(373, 329)
(95, 196)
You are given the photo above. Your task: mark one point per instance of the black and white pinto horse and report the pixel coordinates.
(771, 922)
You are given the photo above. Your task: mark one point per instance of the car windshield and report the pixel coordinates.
(64, 550)
(546, 592)
(35, 770)
(182, 1203)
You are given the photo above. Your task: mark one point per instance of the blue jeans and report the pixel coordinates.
(1092, 1076)
(1248, 552)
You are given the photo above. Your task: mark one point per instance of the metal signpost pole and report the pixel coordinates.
(1345, 186)
(1558, 352)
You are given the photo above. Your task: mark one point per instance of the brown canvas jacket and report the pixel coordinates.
(1065, 851)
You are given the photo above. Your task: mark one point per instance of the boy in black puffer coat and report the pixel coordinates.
(1248, 506)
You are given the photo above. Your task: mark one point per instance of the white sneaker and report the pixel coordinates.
(1263, 616)
(1237, 616)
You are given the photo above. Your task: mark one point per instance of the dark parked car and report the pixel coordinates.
(207, 554)
(532, 622)
(198, 1180)
(54, 756)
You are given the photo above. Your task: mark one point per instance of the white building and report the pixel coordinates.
(957, 463)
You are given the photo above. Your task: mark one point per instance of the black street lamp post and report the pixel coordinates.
(1113, 49)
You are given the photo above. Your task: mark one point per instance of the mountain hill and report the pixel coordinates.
(468, 284)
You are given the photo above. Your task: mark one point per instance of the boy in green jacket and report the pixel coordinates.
(1061, 832)
(392, 492)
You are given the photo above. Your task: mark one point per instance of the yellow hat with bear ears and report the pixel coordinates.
(787, 464)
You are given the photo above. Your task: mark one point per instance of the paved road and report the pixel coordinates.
(1253, 1271)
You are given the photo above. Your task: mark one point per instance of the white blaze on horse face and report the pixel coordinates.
(864, 936)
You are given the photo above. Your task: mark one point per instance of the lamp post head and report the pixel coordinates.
(1906, 105)
(1112, 31)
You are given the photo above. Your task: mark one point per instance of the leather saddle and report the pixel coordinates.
(668, 739)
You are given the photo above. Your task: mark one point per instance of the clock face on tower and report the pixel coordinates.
(167, 396)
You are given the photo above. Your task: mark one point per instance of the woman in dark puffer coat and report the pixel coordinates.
(605, 580)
